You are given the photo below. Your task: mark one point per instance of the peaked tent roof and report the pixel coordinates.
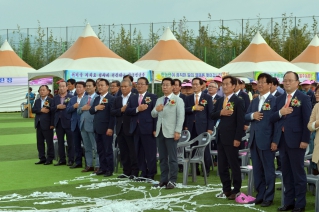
(309, 58)
(11, 65)
(168, 55)
(259, 57)
(87, 53)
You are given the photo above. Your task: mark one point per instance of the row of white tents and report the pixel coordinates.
(88, 57)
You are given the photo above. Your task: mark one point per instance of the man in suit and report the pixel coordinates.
(103, 125)
(198, 107)
(274, 91)
(292, 137)
(143, 126)
(169, 111)
(86, 127)
(130, 78)
(62, 124)
(230, 112)
(177, 89)
(71, 87)
(124, 137)
(305, 85)
(262, 148)
(75, 121)
(218, 80)
(43, 122)
(115, 87)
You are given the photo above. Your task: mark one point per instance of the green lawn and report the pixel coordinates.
(26, 186)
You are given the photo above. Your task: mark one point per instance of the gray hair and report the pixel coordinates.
(129, 82)
(214, 83)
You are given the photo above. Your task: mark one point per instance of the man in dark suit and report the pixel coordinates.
(115, 87)
(71, 87)
(43, 122)
(292, 136)
(103, 125)
(198, 107)
(62, 124)
(143, 126)
(274, 91)
(177, 89)
(75, 121)
(262, 148)
(124, 137)
(230, 112)
(130, 78)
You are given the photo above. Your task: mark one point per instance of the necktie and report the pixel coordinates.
(196, 101)
(140, 99)
(165, 100)
(89, 101)
(225, 102)
(261, 101)
(287, 105)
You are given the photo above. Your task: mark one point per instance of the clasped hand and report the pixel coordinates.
(142, 107)
(225, 112)
(286, 110)
(258, 115)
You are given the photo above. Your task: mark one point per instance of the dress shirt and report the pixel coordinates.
(102, 96)
(43, 100)
(273, 93)
(292, 94)
(237, 92)
(78, 100)
(73, 91)
(143, 94)
(125, 98)
(169, 97)
(199, 94)
(262, 99)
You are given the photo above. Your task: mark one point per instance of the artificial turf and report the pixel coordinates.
(26, 186)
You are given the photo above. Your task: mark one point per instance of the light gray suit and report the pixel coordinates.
(87, 132)
(169, 121)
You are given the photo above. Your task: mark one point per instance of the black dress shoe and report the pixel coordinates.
(40, 162)
(286, 208)
(47, 163)
(60, 164)
(70, 163)
(256, 202)
(266, 203)
(298, 209)
(100, 172)
(160, 185)
(122, 176)
(76, 166)
(108, 174)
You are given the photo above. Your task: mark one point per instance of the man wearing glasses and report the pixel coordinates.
(143, 128)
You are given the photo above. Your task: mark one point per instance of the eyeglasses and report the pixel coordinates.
(288, 81)
(166, 85)
(140, 84)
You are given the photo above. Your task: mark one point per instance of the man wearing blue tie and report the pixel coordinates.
(260, 142)
(292, 136)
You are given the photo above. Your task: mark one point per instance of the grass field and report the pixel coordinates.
(25, 186)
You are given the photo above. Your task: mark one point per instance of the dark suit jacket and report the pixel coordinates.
(45, 119)
(231, 127)
(75, 117)
(122, 121)
(295, 124)
(103, 120)
(146, 122)
(277, 94)
(246, 100)
(61, 114)
(119, 93)
(182, 96)
(261, 130)
(202, 118)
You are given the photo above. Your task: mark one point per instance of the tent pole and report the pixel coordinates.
(153, 82)
(28, 100)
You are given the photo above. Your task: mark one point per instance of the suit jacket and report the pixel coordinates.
(202, 118)
(277, 94)
(123, 121)
(146, 122)
(230, 128)
(295, 124)
(246, 100)
(86, 118)
(75, 117)
(315, 116)
(61, 114)
(182, 96)
(45, 119)
(171, 119)
(119, 93)
(261, 130)
(103, 120)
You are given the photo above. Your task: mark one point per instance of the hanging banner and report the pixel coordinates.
(14, 81)
(109, 75)
(182, 75)
(280, 75)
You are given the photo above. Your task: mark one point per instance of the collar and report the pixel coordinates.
(73, 91)
(213, 96)
(229, 96)
(273, 93)
(104, 95)
(143, 94)
(265, 95)
(292, 94)
(199, 94)
(45, 98)
(169, 96)
(128, 95)
(237, 93)
(92, 95)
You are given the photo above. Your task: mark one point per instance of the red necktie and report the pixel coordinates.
(287, 105)
(89, 101)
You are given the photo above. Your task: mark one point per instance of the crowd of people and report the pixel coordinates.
(278, 119)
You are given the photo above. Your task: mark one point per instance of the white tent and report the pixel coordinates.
(309, 58)
(88, 57)
(13, 79)
(258, 57)
(168, 58)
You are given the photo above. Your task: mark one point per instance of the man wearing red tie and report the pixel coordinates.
(292, 136)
